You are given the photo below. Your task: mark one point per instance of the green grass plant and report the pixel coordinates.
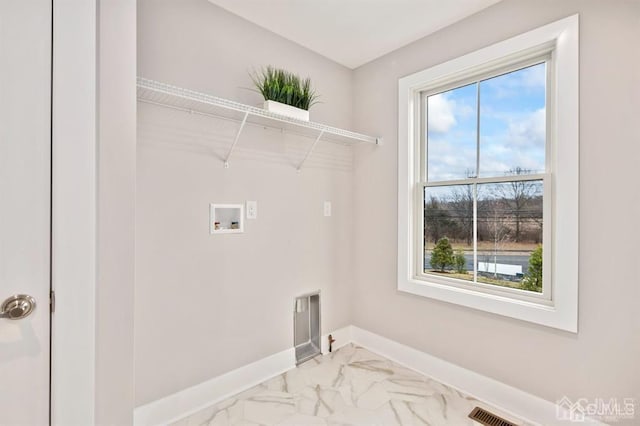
(285, 87)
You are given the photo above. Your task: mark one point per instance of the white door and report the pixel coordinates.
(25, 186)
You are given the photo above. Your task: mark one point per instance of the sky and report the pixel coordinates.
(512, 127)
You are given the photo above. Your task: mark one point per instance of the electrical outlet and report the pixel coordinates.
(252, 209)
(327, 208)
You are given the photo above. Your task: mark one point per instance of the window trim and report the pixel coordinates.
(561, 311)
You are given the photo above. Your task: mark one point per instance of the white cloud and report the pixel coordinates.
(528, 130)
(521, 144)
(441, 113)
(449, 160)
(516, 138)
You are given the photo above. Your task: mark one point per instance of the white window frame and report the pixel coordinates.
(558, 305)
(537, 55)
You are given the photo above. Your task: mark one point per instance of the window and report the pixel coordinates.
(483, 174)
(488, 178)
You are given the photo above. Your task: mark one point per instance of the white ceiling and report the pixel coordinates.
(353, 32)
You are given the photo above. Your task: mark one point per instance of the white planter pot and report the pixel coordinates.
(288, 110)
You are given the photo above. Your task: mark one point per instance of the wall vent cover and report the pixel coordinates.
(487, 418)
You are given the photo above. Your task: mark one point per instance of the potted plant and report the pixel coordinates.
(285, 93)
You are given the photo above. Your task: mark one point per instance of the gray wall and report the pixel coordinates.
(208, 304)
(601, 360)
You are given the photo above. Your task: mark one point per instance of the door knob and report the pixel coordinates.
(17, 307)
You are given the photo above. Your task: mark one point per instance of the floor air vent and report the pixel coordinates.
(487, 418)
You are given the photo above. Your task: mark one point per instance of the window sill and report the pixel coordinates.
(558, 315)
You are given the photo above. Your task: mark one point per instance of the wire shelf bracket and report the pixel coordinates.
(304, 160)
(235, 141)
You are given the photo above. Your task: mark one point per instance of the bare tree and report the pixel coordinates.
(518, 195)
(437, 220)
(538, 221)
(462, 201)
(499, 230)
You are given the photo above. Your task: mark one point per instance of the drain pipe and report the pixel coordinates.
(331, 340)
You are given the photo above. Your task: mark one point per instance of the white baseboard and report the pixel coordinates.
(195, 398)
(341, 336)
(508, 399)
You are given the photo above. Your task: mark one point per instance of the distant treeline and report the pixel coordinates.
(513, 214)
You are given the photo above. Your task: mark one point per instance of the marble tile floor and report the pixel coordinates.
(351, 386)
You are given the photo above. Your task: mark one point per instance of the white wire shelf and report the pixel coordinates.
(166, 95)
